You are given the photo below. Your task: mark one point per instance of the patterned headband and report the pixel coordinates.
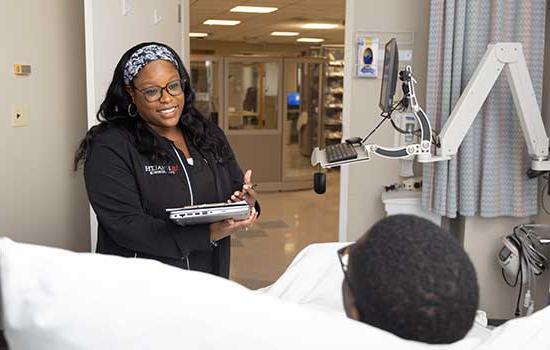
(144, 55)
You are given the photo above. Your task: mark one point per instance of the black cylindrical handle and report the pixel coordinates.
(320, 182)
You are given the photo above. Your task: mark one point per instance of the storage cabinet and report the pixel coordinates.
(334, 92)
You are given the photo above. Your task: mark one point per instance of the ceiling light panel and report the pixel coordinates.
(310, 40)
(198, 35)
(285, 33)
(254, 9)
(221, 22)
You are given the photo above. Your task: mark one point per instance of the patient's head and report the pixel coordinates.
(411, 278)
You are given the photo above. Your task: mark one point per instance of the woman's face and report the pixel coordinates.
(164, 113)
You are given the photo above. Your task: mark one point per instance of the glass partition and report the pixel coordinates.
(253, 94)
(205, 77)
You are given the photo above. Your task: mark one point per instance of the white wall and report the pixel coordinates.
(362, 184)
(41, 199)
(110, 33)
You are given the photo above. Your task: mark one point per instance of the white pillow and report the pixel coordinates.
(55, 299)
(314, 278)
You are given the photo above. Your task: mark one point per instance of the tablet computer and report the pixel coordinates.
(209, 213)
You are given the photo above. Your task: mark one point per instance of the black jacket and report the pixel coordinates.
(129, 195)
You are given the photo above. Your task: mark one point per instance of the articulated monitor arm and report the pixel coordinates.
(423, 148)
(467, 108)
(495, 59)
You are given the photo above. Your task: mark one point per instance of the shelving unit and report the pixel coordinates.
(334, 92)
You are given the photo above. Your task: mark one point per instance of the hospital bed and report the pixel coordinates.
(56, 299)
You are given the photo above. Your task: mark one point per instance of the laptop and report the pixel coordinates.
(209, 213)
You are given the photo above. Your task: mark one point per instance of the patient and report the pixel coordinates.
(409, 277)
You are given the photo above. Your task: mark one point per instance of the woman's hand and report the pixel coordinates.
(222, 229)
(247, 193)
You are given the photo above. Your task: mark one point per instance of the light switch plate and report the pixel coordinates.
(156, 17)
(20, 116)
(126, 7)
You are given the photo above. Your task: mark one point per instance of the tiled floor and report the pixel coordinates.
(289, 222)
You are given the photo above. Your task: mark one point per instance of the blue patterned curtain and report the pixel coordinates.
(487, 177)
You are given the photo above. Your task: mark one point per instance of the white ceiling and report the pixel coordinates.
(256, 28)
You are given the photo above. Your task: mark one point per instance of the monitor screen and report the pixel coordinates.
(389, 76)
(293, 99)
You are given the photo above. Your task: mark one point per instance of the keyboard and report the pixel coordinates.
(340, 152)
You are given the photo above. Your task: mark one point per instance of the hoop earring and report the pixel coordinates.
(130, 110)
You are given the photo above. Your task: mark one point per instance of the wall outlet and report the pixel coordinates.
(20, 116)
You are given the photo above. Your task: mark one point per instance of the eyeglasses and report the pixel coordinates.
(154, 93)
(343, 256)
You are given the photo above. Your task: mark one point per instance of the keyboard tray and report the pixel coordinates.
(318, 156)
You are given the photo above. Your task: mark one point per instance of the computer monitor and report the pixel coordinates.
(389, 76)
(293, 99)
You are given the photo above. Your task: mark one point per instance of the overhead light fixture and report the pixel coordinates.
(320, 26)
(285, 33)
(254, 9)
(198, 35)
(221, 22)
(310, 40)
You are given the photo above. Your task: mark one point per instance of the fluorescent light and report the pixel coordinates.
(320, 26)
(221, 22)
(310, 40)
(254, 9)
(285, 33)
(198, 35)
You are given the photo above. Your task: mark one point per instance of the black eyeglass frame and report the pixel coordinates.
(162, 88)
(342, 253)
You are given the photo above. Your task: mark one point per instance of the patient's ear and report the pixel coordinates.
(354, 313)
(349, 302)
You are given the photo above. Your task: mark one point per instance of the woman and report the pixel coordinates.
(151, 151)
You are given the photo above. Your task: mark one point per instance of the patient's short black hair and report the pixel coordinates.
(413, 279)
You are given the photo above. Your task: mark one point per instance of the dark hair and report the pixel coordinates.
(113, 112)
(413, 279)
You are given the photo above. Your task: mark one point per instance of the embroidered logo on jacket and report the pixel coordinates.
(161, 169)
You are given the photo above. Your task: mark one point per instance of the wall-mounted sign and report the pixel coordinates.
(367, 57)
